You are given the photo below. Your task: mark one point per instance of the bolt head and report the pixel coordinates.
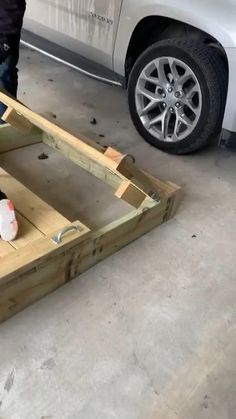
(177, 105)
(171, 110)
(163, 95)
(170, 89)
(164, 105)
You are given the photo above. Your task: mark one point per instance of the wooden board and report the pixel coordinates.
(11, 139)
(15, 120)
(41, 215)
(5, 249)
(29, 274)
(36, 218)
(75, 149)
(28, 233)
(50, 250)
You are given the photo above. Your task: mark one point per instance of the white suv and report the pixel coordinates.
(176, 58)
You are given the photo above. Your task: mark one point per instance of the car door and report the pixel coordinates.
(98, 28)
(87, 27)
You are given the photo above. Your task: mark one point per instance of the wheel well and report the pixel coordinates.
(159, 28)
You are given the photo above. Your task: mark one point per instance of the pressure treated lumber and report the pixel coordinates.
(73, 148)
(41, 215)
(36, 264)
(17, 121)
(28, 233)
(110, 166)
(129, 193)
(36, 218)
(27, 276)
(5, 249)
(12, 139)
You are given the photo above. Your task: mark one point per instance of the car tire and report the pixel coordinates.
(209, 75)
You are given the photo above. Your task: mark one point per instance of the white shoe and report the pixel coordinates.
(8, 222)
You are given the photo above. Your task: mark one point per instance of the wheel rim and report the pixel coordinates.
(168, 99)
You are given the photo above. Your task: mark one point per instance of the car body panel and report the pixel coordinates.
(101, 30)
(215, 17)
(229, 122)
(85, 26)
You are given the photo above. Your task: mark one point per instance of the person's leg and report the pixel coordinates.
(9, 83)
(9, 73)
(8, 222)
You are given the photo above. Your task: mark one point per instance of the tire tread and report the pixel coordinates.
(215, 73)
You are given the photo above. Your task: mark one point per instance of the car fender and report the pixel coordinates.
(213, 17)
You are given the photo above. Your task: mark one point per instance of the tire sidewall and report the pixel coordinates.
(203, 76)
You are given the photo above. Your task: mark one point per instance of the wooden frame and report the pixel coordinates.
(50, 250)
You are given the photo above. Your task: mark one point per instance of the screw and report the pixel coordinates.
(177, 105)
(164, 105)
(171, 110)
(163, 95)
(170, 90)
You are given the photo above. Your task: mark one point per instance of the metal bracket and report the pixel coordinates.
(58, 238)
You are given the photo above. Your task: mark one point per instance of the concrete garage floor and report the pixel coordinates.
(150, 332)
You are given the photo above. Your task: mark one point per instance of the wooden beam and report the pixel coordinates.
(122, 161)
(17, 121)
(118, 158)
(5, 249)
(128, 193)
(85, 155)
(34, 209)
(37, 265)
(60, 134)
(52, 117)
(11, 139)
(85, 162)
(126, 166)
(27, 233)
(30, 274)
